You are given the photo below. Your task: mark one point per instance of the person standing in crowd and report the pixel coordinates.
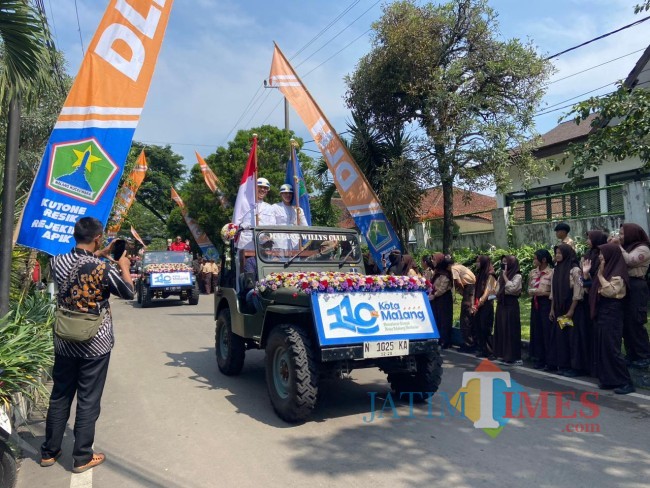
(369, 264)
(196, 269)
(169, 244)
(562, 233)
(208, 270)
(539, 289)
(85, 283)
(464, 283)
(287, 214)
(569, 343)
(401, 264)
(483, 310)
(607, 314)
(507, 330)
(188, 246)
(590, 263)
(442, 300)
(215, 276)
(178, 245)
(635, 248)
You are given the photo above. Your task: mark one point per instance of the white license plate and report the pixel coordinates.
(384, 349)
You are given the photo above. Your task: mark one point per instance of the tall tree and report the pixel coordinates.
(444, 69)
(165, 169)
(24, 54)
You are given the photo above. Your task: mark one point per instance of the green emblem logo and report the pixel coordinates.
(378, 234)
(81, 170)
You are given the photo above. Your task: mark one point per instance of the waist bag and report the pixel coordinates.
(74, 326)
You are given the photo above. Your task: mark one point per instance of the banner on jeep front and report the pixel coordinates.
(354, 318)
(84, 157)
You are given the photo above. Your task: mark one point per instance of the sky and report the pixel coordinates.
(216, 54)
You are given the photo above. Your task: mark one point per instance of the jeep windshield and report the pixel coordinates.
(317, 247)
(166, 257)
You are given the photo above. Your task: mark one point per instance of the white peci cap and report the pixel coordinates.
(286, 188)
(263, 182)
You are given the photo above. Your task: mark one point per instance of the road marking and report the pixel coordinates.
(555, 377)
(82, 480)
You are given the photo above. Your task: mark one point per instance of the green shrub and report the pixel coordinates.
(26, 348)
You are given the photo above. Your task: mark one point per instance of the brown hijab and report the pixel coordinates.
(614, 266)
(597, 238)
(513, 268)
(562, 293)
(485, 270)
(634, 236)
(403, 264)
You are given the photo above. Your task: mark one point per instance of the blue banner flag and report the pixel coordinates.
(84, 158)
(296, 179)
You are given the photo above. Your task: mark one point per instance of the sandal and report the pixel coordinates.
(96, 460)
(46, 462)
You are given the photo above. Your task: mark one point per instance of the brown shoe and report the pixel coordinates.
(45, 462)
(97, 459)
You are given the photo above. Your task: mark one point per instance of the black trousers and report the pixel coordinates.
(467, 331)
(84, 377)
(635, 335)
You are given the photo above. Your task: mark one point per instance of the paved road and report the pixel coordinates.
(170, 419)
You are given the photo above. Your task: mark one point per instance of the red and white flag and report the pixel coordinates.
(244, 213)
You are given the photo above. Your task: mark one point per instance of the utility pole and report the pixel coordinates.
(9, 202)
(286, 106)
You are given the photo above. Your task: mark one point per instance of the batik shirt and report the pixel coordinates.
(85, 283)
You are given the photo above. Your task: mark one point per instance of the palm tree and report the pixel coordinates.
(23, 51)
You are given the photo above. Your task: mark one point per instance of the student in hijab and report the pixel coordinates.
(401, 264)
(507, 328)
(483, 310)
(539, 289)
(607, 313)
(442, 301)
(635, 248)
(590, 263)
(568, 342)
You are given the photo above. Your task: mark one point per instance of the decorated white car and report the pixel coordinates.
(166, 273)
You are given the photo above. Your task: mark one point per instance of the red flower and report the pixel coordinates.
(324, 283)
(295, 295)
(305, 285)
(369, 280)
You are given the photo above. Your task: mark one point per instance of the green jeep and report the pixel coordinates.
(300, 294)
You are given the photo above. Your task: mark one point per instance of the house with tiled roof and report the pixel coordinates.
(472, 212)
(553, 146)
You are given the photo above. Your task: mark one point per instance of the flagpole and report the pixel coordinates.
(257, 216)
(296, 187)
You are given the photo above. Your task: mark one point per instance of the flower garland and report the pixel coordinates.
(334, 282)
(166, 268)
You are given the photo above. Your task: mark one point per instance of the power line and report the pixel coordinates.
(539, 114)
(594, 67)
(243, 114)
(326, 28)
(337, 53)
(597, 38)
(338, 34)
(266, 97)
(53, 23)
(83, 53)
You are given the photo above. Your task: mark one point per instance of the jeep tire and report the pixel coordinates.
(7, 466)
(147, 296)
(291, 373)
(229, 348)
(138, 292)
(425, 380)
(193, 295)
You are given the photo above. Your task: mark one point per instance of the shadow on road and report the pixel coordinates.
(248, 393)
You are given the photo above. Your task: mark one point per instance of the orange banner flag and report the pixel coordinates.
(211, 180)
(126, 196)
(355, 190)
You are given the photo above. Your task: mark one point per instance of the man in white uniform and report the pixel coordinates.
(263, 214)
(286, 211)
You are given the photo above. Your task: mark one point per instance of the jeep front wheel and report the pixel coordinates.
(291, 373)
(229, 348)
(147, 296)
